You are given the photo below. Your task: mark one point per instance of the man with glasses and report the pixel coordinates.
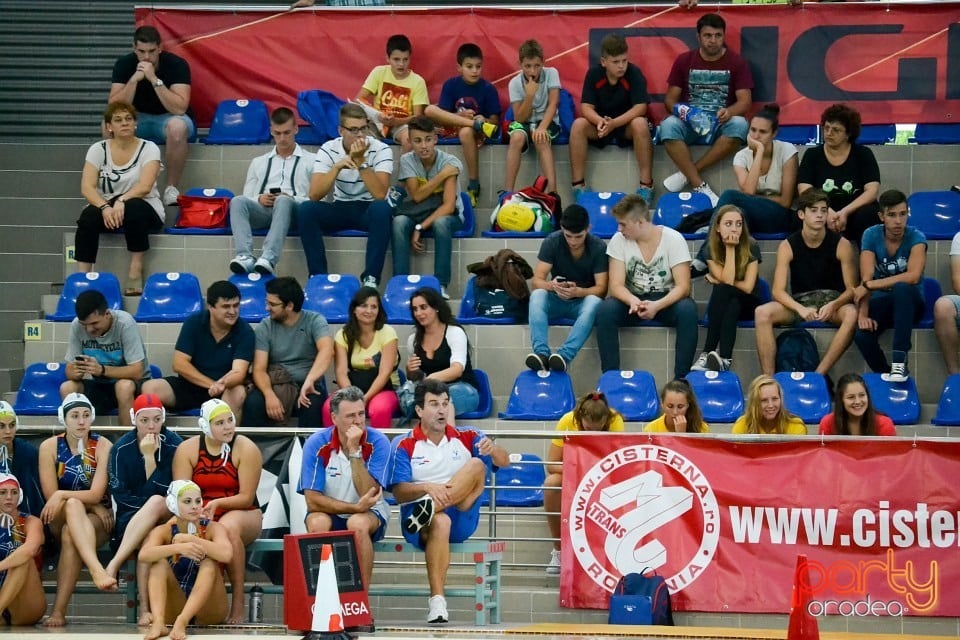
(356, 168)
(294, 349)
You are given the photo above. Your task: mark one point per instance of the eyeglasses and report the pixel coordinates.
(354, 130)
(274, 304)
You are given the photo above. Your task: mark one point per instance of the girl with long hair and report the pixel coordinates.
(765, 412)
(853, 411)
(681, 411)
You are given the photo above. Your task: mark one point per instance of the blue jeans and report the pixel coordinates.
(673, 128)
(762, 214)
(317, 218)
(546, 305)
(614, 314)
(247, 214)
(442, 229)
(900, 308)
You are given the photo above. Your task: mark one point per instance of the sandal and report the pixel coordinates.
(133, 286)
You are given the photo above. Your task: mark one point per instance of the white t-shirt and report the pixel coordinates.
(771, 183)
(114, 179)
(549, 79)
(349, 186)
(656, 276)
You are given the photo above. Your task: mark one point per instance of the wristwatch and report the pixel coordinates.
(355, 456)
(158, 83)
(418, 227)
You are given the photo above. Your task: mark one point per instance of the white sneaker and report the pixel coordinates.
(170, 195)
(438, 610)
(715, 362)
(263, 266)
(553, 567)
(701, 363)
(675, 182)
(898, 373)
(242, 264)
(707, 191)
(371, 282)
(443, 293)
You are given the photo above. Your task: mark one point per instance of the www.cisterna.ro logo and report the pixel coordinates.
(632, 501)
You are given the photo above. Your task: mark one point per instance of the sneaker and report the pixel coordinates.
(707, 191)
(420, 516)
(578, 190)
(242, 264)
(537, 362)
(474, 193)
(898, 373)
(557, 363)
(646, 192)
(675, 182)
(488, 129)
(371, 282)
(553, 567)
(716, 363)
(170, 195)
(443, 293)
(395, 196)
(263, 266)
(701, 363)
(438, 610)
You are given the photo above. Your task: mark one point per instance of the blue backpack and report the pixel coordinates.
(640, 599)
(797, 351)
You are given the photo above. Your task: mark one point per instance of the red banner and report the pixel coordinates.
(895, 63)
(723, 521)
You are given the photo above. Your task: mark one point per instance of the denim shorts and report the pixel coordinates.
(955, 299)
(673, 128)
(154, 127)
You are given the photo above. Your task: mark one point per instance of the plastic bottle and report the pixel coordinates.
(256, 604)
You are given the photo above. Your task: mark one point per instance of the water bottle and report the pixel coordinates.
(256, 604)
(699, 121)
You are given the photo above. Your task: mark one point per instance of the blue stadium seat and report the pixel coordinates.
(39, 392)
(877, 134)
(719, 394)
(521, 484)
(329, 294)
(931, 291)
(396, 297)
(937, 133)
(202, 192)
(899, 400)
(632, 393)
(805, 395)
(948, 411)
(674, 207)
(802, 134)
(468, 314)
(170, 297)
(485, 406)
(540, 395)
(599, 204)
(253, 295)
(936, 213)
(765, 295)
(77, 283)
(240, 122)
(155, 372)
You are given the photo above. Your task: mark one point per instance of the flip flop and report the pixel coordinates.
(133, 286)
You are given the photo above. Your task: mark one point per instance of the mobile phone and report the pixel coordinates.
(79, 358)
(559, 279)
(274, 190)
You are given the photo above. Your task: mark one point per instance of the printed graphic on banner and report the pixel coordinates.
(629, 504)
(723, 522)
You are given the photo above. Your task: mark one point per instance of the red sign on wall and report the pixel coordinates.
(895, 63)
(723, 521)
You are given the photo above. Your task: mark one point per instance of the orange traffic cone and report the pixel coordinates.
(327, 611)
(802, 625)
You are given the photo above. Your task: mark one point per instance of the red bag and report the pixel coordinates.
(198, 212)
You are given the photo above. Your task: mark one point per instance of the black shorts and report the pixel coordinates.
(102, 394)
(186, 395)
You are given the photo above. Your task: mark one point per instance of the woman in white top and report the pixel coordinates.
(120, 184)
(439, 349)
(766, 173)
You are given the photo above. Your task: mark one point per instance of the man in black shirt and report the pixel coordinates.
(157, 84)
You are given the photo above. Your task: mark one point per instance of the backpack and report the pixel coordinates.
(797, 351)
(529, 209)
(322, 110)
(633, 595)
